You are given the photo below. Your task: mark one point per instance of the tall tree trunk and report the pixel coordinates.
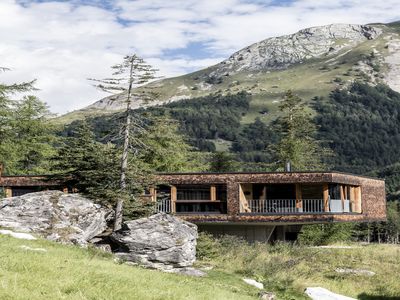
(124, 167)
(124, 158)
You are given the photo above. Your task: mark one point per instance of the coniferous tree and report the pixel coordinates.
(92, 168)
(297, 144)
(128, 75)
(223, 162)
(26, 137)
(165, 149)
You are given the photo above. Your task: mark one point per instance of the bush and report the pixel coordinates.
(324, 234)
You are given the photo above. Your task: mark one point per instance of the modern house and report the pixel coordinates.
(257, 206)
(12, 186)
(265, 206)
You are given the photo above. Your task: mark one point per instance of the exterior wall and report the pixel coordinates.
(10, 183)
(373, 204)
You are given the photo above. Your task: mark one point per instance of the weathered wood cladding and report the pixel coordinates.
(368, 192)
(10, 184)
(372, 192)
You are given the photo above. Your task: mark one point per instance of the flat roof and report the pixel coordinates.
(266, 172)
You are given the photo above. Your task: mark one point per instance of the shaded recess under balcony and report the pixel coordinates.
(192, 198)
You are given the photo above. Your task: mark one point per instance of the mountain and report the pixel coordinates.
(349, 74)
(312, 62)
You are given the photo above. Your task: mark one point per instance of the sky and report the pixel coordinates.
(62, 43)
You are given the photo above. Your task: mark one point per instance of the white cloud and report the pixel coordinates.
(61, 43)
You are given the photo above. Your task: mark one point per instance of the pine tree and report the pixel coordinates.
(26, 137)
(128, 75)
(92, 168)
(223, 162)
(165, 149)
(297, 144)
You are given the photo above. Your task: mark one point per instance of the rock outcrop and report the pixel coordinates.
(67, 218)
(160, 241)
(280, 52)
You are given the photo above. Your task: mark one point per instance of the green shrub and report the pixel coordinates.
(324, 234)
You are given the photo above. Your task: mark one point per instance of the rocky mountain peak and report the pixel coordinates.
(280, 52)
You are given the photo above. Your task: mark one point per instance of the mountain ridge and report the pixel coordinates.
(330, 55)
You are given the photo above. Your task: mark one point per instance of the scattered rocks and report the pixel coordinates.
(319, 293)
(267, 296)
(355, 272)
(32, 249)
(66, 218)
(161, 242)
(18, 235)
(252, 282)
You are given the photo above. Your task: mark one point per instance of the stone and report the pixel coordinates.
(18, 235)
(66, 218)
(160, 241)
(24, 247)
(361, 272)
(267, 296)
(319, 293)
(281, 52)
(252, 282)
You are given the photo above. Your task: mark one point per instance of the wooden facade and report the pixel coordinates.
(251, 198)
(277, 198)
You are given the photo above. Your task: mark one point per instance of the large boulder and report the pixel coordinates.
(67, 218)
(160, 241)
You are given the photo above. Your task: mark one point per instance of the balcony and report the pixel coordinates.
(293, 206)
(192, 199)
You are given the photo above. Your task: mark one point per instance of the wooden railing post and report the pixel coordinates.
(325, 191)
(173, 199)
(342, 195)
(299, 198)
(213, 193)
(8, 192)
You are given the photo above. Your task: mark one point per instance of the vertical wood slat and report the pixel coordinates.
(244, 205)
(342, 195)
(357, 199)
(325, 191)
(153, 193)
(173, 198)
(299, 200)
(213, 193)
(352, 199)
(8, 192)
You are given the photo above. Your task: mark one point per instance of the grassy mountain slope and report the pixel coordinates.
(315, 74)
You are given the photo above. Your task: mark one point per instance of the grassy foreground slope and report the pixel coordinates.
(288, 270)
(68, 272)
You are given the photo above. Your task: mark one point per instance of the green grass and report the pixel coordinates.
(68, 272)
(287, 270)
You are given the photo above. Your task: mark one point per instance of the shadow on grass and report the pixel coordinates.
(364, 296)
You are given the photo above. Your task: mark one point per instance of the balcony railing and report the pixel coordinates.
(163, 205)
(291, 206)
(285, 206)
(274, 206)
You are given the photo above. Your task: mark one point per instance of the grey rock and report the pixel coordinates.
(361, 272)
(160, 241)
(267, 296)
(281, 52)
(67, 218)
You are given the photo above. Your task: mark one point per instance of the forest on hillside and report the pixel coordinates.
(360, 124)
